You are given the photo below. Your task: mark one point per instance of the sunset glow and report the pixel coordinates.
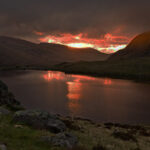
(79, 45)
(107, 43)
(112, 48)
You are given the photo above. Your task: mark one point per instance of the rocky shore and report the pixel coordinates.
(39, 130)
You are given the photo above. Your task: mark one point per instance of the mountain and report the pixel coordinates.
(133, 62)
(137, 48)
(19, 52)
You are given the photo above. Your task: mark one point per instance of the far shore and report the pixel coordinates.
(142, 78)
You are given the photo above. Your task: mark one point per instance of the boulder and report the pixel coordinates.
(124, 136)
(7, 98)
(3, 86)
(62, 140)
(4, 111)
(40, 120)
(3, 147)
(55, 125)
(72, 124)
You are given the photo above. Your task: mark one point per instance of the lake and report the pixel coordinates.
(98, 99)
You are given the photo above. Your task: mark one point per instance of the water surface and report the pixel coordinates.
(99, 99)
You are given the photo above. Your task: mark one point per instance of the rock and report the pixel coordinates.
(99, 147)
(40, 120)
(3, 86)
(124, 136)
(124, 126)
(7, 98)
(62, 140)
(71, 124)
(18, 126)
(15, 108)
(144, 132)
(4, 111)
(55, 126)
(3, 147)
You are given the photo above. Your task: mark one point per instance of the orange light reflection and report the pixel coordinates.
(53, 76)
(74, 95)
(75, 87)
(107, 82)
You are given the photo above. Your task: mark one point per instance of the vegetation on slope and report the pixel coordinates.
(91, 136)
(138, 69)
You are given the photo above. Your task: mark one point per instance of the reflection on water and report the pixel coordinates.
(100, 99)
(74, 95)
(107, 82)
(53, 75)
(74, 87)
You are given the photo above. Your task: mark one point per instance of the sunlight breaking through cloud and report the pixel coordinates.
(107, 43)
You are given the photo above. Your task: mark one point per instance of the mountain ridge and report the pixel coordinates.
(14, 51)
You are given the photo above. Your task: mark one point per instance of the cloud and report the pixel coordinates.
(94, 17)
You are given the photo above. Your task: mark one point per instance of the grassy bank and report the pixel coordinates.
(91, 136)
(136, 69)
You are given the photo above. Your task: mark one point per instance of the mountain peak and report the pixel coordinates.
(138, 47)
(140, 42)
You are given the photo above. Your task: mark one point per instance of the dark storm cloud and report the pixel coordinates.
(95, 17)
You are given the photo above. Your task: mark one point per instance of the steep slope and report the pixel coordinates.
(138, 47)
(20, 52)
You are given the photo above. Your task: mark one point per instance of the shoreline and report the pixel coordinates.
(20, 127)
(71, 117)
(134, 78)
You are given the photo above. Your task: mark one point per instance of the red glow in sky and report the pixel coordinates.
(108, 43)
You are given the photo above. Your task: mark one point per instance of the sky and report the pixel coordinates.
(106, 25)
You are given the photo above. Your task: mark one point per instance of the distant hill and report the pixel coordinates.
(138, 47)
(133, 62)
(20, 52)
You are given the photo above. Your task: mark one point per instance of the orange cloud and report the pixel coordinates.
(108, 43)
(38, 33)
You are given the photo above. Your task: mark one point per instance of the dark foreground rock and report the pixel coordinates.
(71, 124)
(99, 147)
(7, 98)
(124, 136)
(4, 111)
(3, 147)
(40, 120)
(62, 140)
